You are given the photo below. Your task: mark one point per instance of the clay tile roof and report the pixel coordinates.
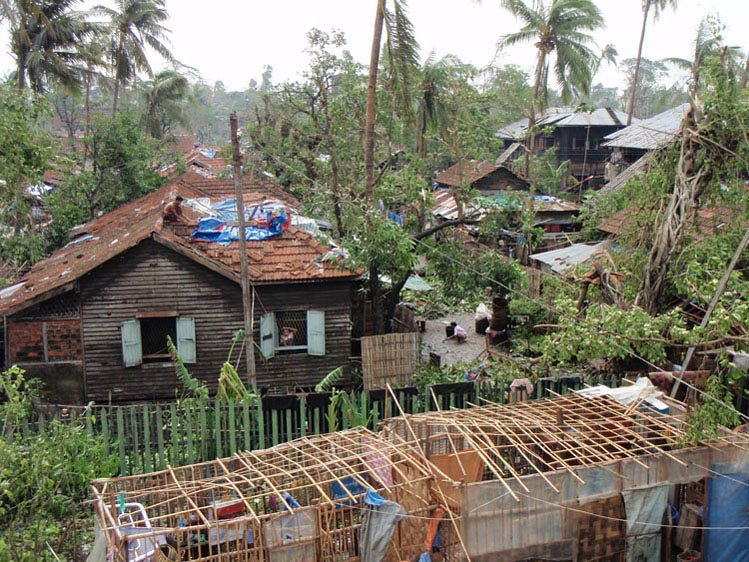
(223, 188)
(466, 173)
(293, 256)
(708, 224)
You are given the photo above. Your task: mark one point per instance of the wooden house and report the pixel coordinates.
(490, 179)
(576, 135)
(91, 321)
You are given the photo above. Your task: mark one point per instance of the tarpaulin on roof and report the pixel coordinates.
(225, 235)
(228, 210)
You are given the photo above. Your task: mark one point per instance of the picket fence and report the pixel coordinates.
(150, 436)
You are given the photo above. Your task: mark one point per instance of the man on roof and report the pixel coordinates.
(173, 211)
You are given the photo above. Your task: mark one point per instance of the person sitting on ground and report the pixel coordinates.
(459, 334)
(173, 211)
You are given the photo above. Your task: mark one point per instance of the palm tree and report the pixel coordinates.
(658, 6)
(434, 80)
(559, 27)
(708, 43)
(44, 36)
(164, 97)
(402, 54)
(135, 25)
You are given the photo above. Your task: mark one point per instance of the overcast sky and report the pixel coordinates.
(231, 40)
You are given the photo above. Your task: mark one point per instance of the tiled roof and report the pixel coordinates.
(708, 224)
(223, 188)
(293, 256)
(467, 173)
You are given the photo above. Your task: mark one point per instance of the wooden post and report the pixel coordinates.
(713, 303)
(245, 281)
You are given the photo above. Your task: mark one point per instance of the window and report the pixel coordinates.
(144, 339)
(292, 331)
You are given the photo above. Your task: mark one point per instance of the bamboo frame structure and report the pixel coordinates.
(321, 473)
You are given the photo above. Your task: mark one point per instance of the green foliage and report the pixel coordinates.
(123, 167)
(44, 475)
(704, 419)
(343, 408)
(328, 382)
(197, 388)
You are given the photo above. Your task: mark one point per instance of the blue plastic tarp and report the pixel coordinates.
(215, 230)
(728, 506)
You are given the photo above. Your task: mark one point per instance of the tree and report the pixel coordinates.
(402, 52)
(164, 98)
(657, 6)
(25, 153)
(133, 26)
(707, 43)
(559, 27)
(123, 167)
(653, 95)
(43, 37)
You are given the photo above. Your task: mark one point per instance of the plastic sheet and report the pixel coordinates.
(645, 508)
(728, 506)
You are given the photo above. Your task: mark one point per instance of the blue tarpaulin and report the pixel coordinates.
(225, 235)
(728, 506)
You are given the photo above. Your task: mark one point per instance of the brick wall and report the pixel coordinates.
(26, 341)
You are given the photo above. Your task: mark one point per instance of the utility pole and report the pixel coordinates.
(713, 303)
(247, 301)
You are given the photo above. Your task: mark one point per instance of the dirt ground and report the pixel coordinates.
(449, 351)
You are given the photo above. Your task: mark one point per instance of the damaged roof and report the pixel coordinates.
(709, 221)
(223, 188)
(565, 259)
(294, 256)
(566, 117)
(651, 133)
(468, 173)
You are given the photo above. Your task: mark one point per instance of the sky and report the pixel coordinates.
(232, 40)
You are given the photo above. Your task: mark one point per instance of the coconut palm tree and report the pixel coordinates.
(135, 25)
(43, 40)
(657, 6)
(560, 28)
(434, 80)
(403, 60)
(164, 99)
(708, 43)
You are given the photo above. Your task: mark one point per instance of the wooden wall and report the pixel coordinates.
(151, 278)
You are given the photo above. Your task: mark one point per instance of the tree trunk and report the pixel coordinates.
(369, 129)
(688, 185)
(375, 293)
(21, 72)
(88, 118)
(631, 109)
(745, 79)
(116, 95)
(532, 119)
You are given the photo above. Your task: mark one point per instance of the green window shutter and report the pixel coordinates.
(268, 335)
(132, 351)
(186, 339)
(315, 332)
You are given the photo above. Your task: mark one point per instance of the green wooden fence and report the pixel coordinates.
(150, 436)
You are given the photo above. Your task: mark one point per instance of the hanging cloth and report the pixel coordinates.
(645, 508)
(378, 525)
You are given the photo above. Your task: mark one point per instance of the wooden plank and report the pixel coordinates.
(121, 441)
(174, 455)
(136, 460)
(147, 437)
(189, 434)
(260, 423)
(232, 429)
(160, 438)
(303, 416)
(247, 445)
(217, 428)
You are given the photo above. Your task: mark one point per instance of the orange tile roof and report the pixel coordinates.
(293, 256)
(708, 224)
(466, 173)
(223, 188)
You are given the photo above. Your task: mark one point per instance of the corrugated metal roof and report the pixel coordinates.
(566, 117)
(468, 173)
(565, 259)
(635, 169)
(651, 133)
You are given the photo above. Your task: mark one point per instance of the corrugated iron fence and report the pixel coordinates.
(150, 436)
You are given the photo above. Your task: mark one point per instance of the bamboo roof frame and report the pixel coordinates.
(305, 468)
(564, 432)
